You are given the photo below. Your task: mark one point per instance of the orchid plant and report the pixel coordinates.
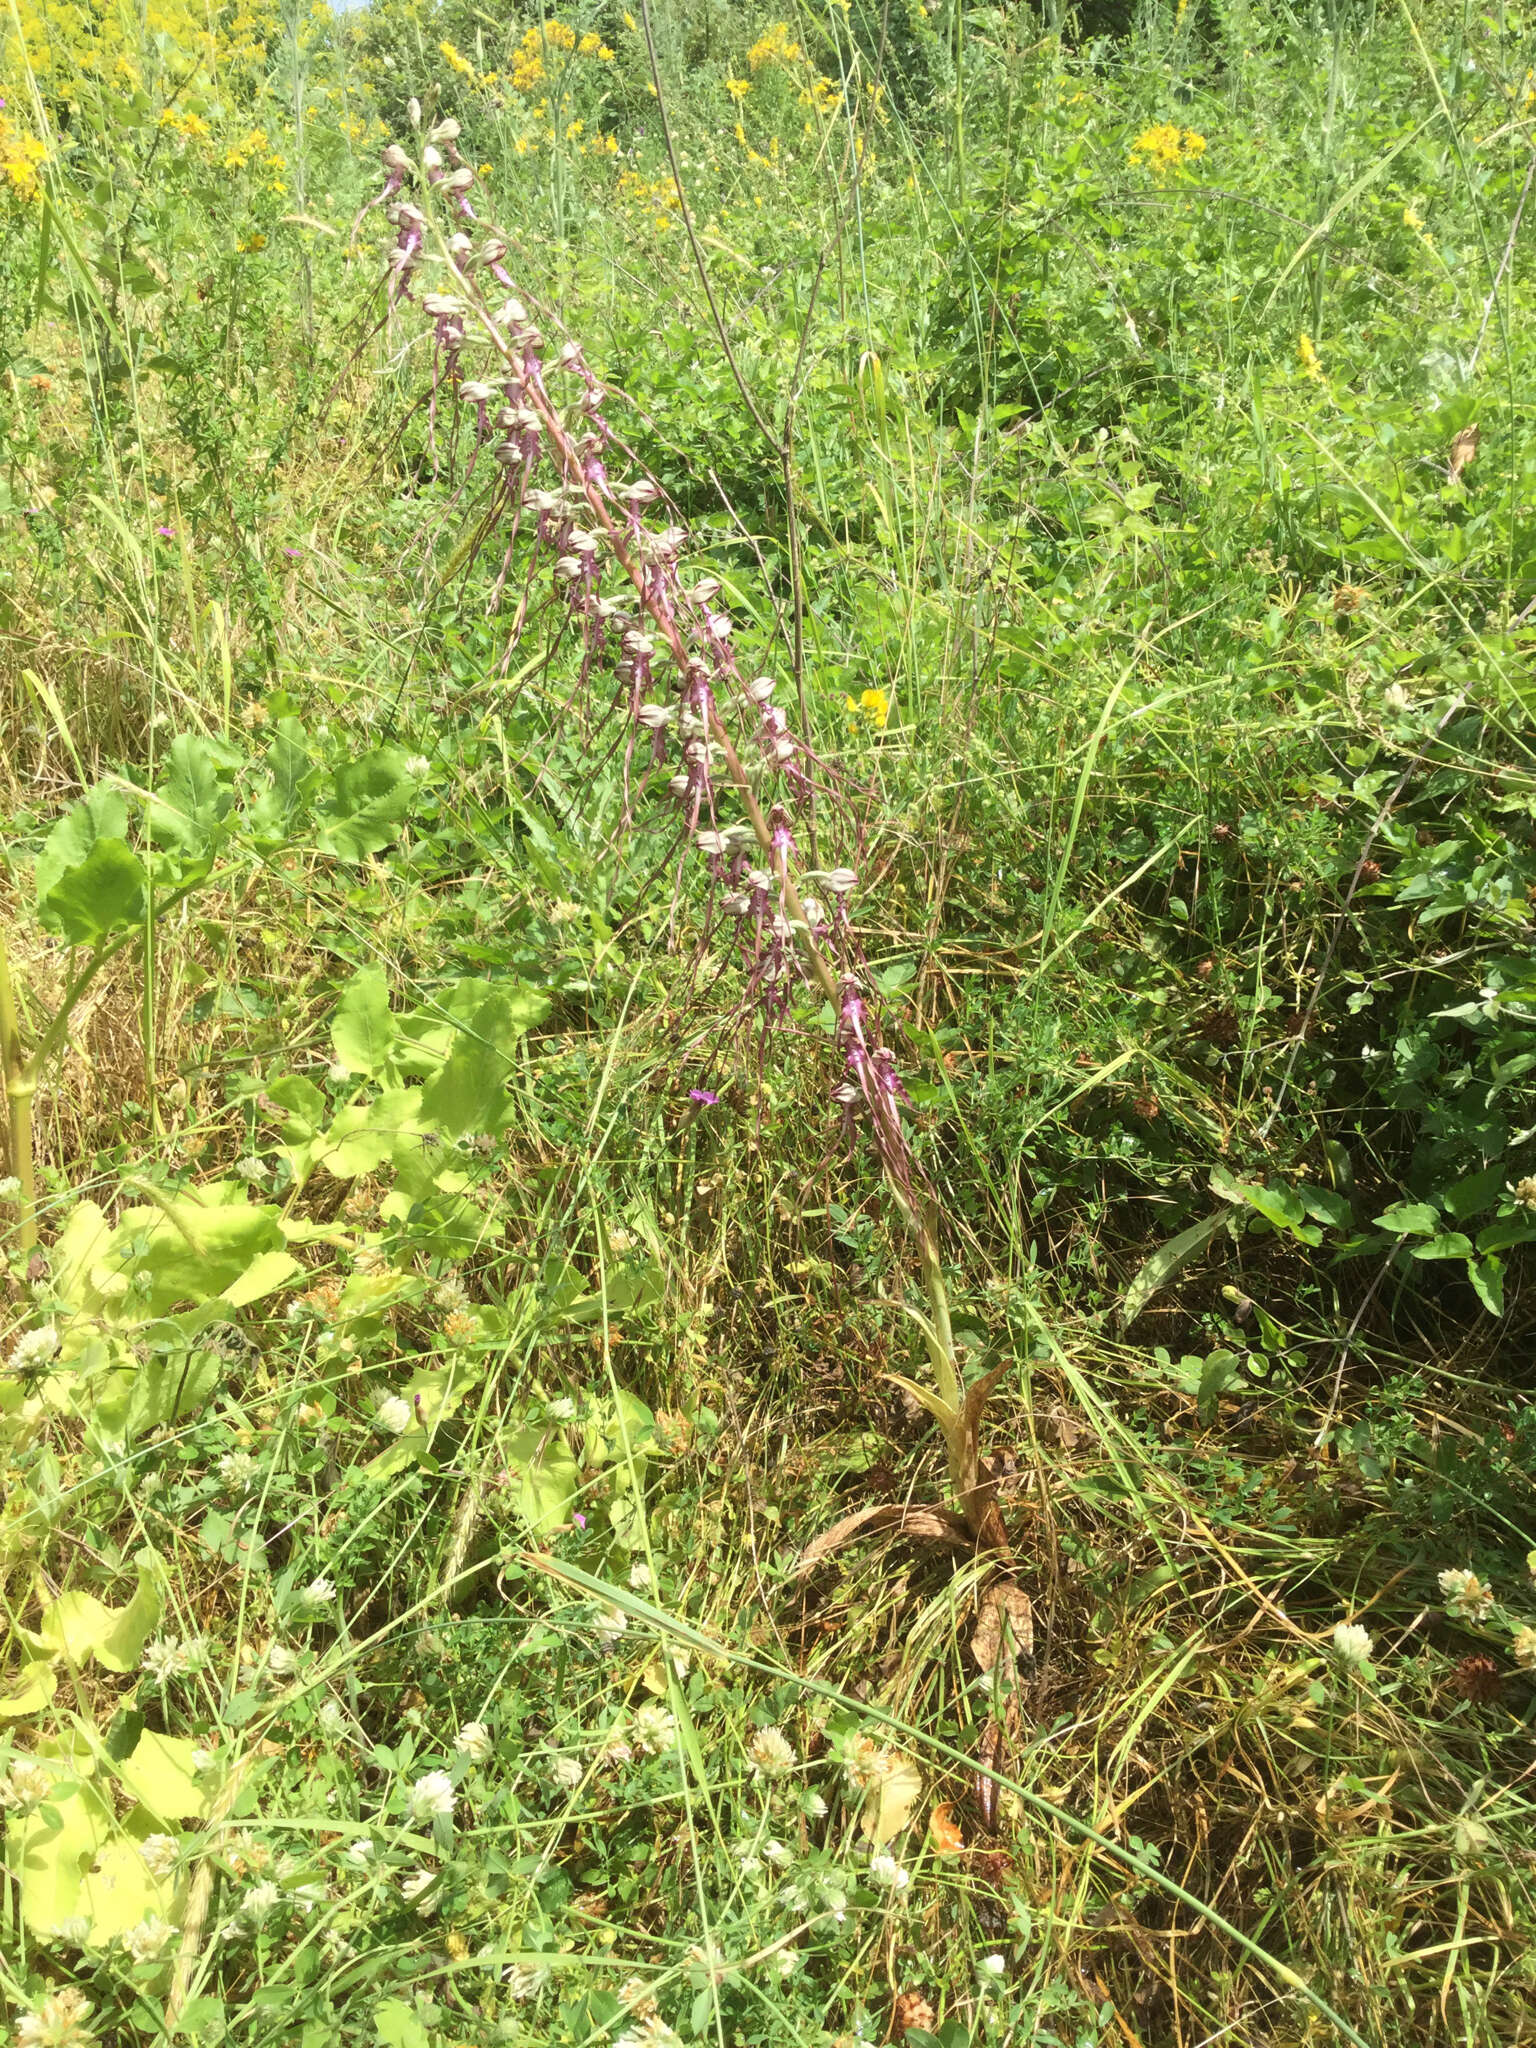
(739, 773)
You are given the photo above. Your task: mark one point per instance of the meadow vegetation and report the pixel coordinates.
(768, 1024)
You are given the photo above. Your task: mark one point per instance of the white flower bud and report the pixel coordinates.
(445, 131)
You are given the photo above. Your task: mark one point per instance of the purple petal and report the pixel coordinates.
(705, 1095)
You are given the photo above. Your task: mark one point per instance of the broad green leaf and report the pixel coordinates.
(545, 1476)
(1480, 1191)
(78, 1626)
(199, 1243)
(1445, 1244)
(160, 1774)
(1487, 1276)
(1278, 1205)
(1410, 1219)
(1327, 1205)
(192, 800)
(31, 1690)
(1168, 1261)
(101, 815)
(396, 2025)
(364, 1135)
(367, 806)
(102, 895)
(120, 1891)
(1507, 1232)
(302, 1105)
(470, 1093)
(363, 1033)
(50, 1850)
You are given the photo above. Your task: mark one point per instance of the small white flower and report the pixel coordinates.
(609, 1626)
(74, 1932)
(640, 1576)
(474, 1741)
(813, 1806)
(201, 1760)
(333, 1718)
(1396, 698)
(777, 1854)
(59, 2022)
(1465, 1595)
(160, 1854)
(523, 1981)
(337, 1074)
(886, 1871)
(432, 1797)
(771, 1752)
(238, 1469)
(149, 1939)
(34, 1348)
(568, 1772)
(281, 1661)
(360, 1852)
(251, 1168)
(25, 1786)
(992, 1966)
(787, 1961)
(417, 765)
(165, 1659)
(620, 1241)
(1352, 1644)
(654, 1729)
(561, 1409)
(413, 1886)
(10, 1188)
(260, 1900)
(393, 1415)
(1524, 1648)
(318, 1593)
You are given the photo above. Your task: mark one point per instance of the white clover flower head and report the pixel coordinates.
(609, 1625)
(24, 1786)
(417, 766)
(524, 1981)
(413, 1887)
(432, 1797)
(238, 1470)
(994, 1967)
(360, 1852)
(568, 1772)
(10, 1188)
(150, 1939)
(166, 1658)
(777, 1854)
(34, 1348)
(281, 1660)
(1524, 1648)
(561, 1409)
(866, 1763)
(318, 1593)
(333, 1718)
(261, 1900)
(337, 1074)
(59, 2022)
(1524, 1192)
(1466, 1597)
(640, 1576)
(251, 1168)
(160, 1854)
(474, 1741)
(1352, 1644)
(886, 1872)
(813, 1806)
(787, 1961)
(654, 1729)
(1396, 698)
(75, 1932)
(393, 1415)
(772, 1753)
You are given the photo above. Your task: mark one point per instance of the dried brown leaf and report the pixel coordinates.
(931, 1525)
(1005, 1605)
(1463, 452)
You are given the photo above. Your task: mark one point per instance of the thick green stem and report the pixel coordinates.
(20, 1085)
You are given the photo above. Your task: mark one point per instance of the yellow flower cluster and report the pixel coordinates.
(545, 41)
(773, 47)
(738, 88)
(21, 159)
(870, 708)
(190, 127)
(823, 95)
(1167, 147)
(456, 60)
(1311, 361)
(640, 191)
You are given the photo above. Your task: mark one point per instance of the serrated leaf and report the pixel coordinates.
(192, 800)
(103, 894)
(363, 1031)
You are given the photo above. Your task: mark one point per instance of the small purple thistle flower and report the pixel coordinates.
(705, 1097)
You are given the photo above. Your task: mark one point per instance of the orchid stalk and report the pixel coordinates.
(584, 525)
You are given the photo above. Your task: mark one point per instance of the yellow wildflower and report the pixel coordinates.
(21, 158)
(456, 61)
(738, 88)
(774, 47)
(871, 708)
(1167, 147)
(1311, 361)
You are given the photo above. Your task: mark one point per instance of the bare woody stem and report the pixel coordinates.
(20, 1086)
